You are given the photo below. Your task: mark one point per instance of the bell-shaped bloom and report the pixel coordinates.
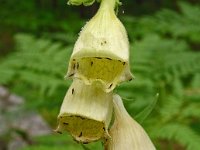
(86, 112)
(79, 2)
(126, 133)
(101, 52)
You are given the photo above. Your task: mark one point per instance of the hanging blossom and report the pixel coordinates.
(101, 52)
(99, 62)
(86, 112)
(126, 133)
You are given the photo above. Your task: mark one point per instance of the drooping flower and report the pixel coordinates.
(101, 52)
(126, 133)
(86, 112)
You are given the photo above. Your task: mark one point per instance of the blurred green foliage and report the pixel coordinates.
(165, 58)
(63, 142)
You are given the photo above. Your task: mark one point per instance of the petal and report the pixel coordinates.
(86, 112)
(126, 133)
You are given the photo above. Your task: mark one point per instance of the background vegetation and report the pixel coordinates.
(36, 40)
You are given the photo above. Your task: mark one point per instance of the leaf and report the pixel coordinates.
(145, 113)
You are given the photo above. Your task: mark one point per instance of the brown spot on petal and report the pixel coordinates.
(110, 86)
(98, 57)
(82, 118)
(74, 66)
(91, 63)
(65, 123)
(71, 75)
(59, 132)
(80, 134)
(77, 65)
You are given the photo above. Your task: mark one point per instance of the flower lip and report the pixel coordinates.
(104, 70)
(86, 112)
(81, 128)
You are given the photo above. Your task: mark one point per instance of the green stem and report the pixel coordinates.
(108, 4)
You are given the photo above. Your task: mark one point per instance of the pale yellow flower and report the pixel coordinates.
(101, 52)
(86, 112)
(126, 133)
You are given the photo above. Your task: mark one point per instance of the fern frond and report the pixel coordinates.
(180, 133)
(37, 62)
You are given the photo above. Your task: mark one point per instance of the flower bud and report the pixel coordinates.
(86, 112)
(101, 52)
(126, 133)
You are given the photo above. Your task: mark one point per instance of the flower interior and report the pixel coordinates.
(101, 69)
(82, 129)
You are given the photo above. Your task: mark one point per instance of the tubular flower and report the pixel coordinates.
(86, 112)
(101, 52)
(126, 133)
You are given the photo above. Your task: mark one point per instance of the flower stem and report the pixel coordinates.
(108, 4)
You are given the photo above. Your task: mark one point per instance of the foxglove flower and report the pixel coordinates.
(126, 133)
(101, 52)
(86, 112)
